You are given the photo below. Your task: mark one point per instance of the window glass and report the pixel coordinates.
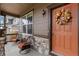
(1, 22)
(12, 24)
(24, 28)
(10, 21)
(27, 23)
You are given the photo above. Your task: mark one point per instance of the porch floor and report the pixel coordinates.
(11, 49)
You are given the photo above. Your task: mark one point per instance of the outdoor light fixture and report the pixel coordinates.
(43, 12)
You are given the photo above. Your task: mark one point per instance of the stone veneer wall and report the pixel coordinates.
(42, 45)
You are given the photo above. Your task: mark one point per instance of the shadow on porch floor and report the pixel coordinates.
(11, 49)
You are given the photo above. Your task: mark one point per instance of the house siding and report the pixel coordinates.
(40, 22)
(40, 28)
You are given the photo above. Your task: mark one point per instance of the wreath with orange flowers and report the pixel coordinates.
(63, 17)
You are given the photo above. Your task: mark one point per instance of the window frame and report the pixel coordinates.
(27, 15)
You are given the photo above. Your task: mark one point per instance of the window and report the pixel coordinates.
(1, 22)
(24, 28)
(2, 26)
(12, 24)
(29, 25)
(10, 21)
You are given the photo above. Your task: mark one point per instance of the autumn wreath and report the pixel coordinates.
(63, 17)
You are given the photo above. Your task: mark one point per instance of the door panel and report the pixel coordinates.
(64, 37)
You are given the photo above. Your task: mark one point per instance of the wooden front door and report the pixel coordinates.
(64, 37)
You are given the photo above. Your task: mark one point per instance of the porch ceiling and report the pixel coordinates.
(15, 8)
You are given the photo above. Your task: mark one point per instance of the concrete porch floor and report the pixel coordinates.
(11, 49)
